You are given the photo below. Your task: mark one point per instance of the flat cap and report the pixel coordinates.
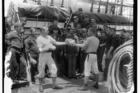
(17, 24)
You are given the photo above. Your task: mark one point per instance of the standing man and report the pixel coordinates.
(53, 27)
(46, 45)
(32, 51)
(17, 59)
(90, 45)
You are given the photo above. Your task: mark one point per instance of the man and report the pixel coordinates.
(46, 44)
(101, 49)
(17, 61)
(58, 51)
(32, 50)
(71, 55)
(80, 15)
(90, 45)
(75, 22)
(54, 26)
(86, 22)
(112, 42)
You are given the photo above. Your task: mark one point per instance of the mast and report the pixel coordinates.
(62, 4)
(121, 10)
(106, 10)
(52, 2)
(91, 9)
(99, 6)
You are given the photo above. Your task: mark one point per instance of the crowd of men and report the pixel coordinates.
(69, 58)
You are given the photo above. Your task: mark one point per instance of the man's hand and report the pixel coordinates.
(76, 37)
(70, 42)
(33, 61)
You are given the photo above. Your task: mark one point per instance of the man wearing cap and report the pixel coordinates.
(80, 15)
(86, 22)
(53, 27)
(17, 61)
(75, 22)
(46, 45)
(90, 45)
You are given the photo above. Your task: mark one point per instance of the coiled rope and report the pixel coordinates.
(114, 83)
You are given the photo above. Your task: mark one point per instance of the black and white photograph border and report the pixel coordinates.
(69, 46)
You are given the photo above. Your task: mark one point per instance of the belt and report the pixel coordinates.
(17, 49)
(90, 53)
(47, 51)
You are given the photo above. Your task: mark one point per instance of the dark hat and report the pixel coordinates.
(80, 9)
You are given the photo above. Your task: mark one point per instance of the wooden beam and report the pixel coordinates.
(110, 3)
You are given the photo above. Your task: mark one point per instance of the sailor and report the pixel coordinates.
(31, 48)
(54, 26)
(90, 45)
(46, 45)
(17, 61)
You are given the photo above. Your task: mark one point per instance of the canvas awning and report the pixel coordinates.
(43, 13)
(109, 19)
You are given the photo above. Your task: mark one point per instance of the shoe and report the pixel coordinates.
(57, 87)
(84, 88)
(96, 86)
(41, 88)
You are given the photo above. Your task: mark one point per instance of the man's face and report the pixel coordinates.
(89, 32)
(76, 20)
(78, 26)
(45, 32)
(93, 21)
(55, 31)
(69, 27)
(86, 19)
(55, 22)
(18, 28)
(99, 33)
(110, 32)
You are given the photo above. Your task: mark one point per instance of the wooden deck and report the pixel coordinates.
(70, 86)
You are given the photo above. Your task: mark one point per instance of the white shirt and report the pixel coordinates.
(45, 43)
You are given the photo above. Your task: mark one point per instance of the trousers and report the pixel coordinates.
(91, 65)
(45, 58)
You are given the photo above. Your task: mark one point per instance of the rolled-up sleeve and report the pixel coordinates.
(53, 41)
(39, 44)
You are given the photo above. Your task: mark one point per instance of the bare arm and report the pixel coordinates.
(80, 45)
(53, 41)
(83, 44)
(109, 51)
(59, 43)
